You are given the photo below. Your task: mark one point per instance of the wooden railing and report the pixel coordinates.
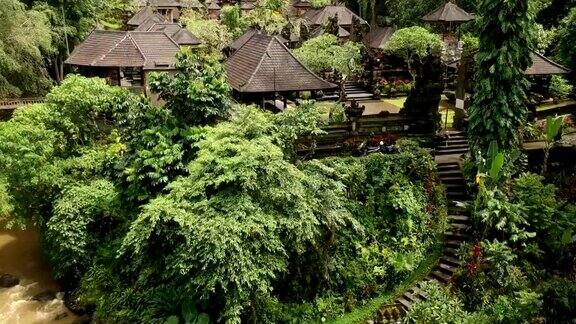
(11, 104)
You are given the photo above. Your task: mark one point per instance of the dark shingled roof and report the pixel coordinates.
(301, 4)
(543, 66)
(214, 5)
(193, 4)
(151, 21)
(169, 3)
(180, 35)
(321, 30)
(246, 5)
(244, 38)
(149, 50)
(142, 14)
(264, 64)
(379, 36)
(321, 16)
(448, 12)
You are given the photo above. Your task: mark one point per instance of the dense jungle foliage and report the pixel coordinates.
(149, 212)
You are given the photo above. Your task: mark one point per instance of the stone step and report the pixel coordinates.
(449, 141)
(450, 235)
(451, 252)
(406, 304)
(459, 226)
(360, 96)
(452, 244)
(452, 147)
(455, 195)
(450, 260)
(459, 218)
(446, 268)
(453, 180)
(457, 210)
(452, 151)
(449, 173)
(410, 297)
(457, 187)
(418, 292)
(441, 276)
(355, 90)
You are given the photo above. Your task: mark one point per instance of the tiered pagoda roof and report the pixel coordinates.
(448, 12)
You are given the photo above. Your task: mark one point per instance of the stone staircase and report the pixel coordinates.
(455, 143)
(457, 233)
(355, 91)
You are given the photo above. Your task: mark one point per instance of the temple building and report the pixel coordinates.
(125, 58)
(265, 70)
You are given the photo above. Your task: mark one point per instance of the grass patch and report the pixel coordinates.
(398, 102)
(368, 310)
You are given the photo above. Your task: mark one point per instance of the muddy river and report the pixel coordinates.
(20, 256)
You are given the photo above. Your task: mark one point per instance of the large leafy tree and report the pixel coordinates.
(231, 223)
(506, 41)
(24, 36)
(324, 53)
(413, 44)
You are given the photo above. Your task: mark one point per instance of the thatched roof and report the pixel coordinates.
(263, 64)
(448, 12)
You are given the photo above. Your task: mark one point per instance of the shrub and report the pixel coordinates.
(559, 299)
(559, 88)
(83, 216)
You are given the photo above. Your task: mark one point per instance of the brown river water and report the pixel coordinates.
(20, 256)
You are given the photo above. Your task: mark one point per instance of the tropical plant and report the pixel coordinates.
(553, 131)
(559, 88)
(413, 44)
(499, 106)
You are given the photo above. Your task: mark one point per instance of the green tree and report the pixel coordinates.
(499, 105)
(24, 36)
(413, 44)
(213, 35)
(70, 22)
(231, 17)
(324, 53)
(198, 93)
(160, 140)
(229, 226)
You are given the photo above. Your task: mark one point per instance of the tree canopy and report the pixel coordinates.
(324, 53)
(413, 44)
